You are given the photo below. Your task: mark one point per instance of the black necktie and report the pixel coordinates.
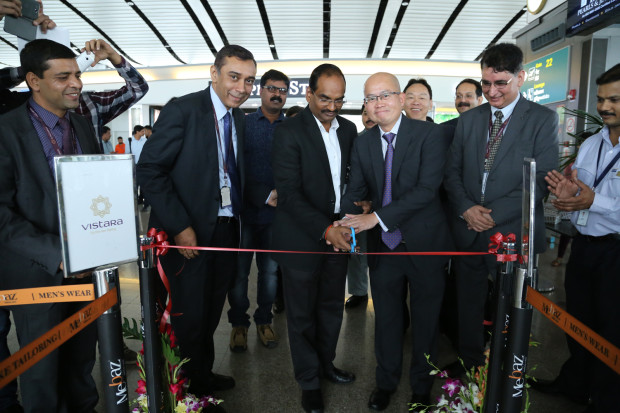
(67, 141)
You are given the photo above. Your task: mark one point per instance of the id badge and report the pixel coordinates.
(225, 196)
(582, 218)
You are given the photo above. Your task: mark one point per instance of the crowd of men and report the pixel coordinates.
(302, 182)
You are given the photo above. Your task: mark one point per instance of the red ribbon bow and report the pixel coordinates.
(160, 241)
(496, 244)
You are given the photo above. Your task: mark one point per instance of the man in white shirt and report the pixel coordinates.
(592, 282)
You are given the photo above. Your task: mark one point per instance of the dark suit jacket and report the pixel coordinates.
(306, 197)
(30, 249)
(532, 132)
(178, 168)
(417, 172)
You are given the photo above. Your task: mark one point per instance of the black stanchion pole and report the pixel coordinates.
(501, 320)
(150, 333)
(109, 329)
(515, 360)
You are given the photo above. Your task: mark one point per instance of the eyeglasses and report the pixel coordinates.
(499, 84)
(328, 102)
(274, 89)
(382, 96)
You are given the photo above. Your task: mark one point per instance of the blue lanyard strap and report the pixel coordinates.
(607, 168)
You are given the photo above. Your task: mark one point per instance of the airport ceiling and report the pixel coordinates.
(154, 33)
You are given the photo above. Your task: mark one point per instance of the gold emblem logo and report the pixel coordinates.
(101, 206)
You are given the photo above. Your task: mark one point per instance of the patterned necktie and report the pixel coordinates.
(67, 141)
(494, 142)
(231, 166)
(391, 239)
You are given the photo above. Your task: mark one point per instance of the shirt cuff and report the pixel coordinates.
(381, 223)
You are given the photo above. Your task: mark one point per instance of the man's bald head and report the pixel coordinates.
(388, 78)
(384, 100)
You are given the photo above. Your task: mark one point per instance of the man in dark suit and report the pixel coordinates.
(398, 165)
(192, 173)
(468, 96)
(484, 183)
(30, 247)
(310, 157)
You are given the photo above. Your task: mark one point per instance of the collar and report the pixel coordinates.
(50, 119)
(220, 109)
(334, 124)
(262, 115)
(394, 129)
(506, 111)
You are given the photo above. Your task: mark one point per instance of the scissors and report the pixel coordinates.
(353, 241)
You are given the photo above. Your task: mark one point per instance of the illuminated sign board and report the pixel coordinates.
(589, 14)
(546, 79)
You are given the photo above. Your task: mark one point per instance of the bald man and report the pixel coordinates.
(398, 165)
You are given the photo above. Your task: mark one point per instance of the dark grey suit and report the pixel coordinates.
(417, 172)
(30, 248)
(313, 284)
(531, 132)
(179, 173)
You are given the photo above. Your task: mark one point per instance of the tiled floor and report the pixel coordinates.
(265, 380)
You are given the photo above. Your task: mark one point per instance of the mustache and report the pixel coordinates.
(276, 99)
(462, 104)
(605, 113)
(329, 111)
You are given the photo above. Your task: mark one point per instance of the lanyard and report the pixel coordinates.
(49, 133)
(500, 132)
(607, 168)
(219, 142)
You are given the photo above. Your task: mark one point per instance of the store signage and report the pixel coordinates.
(589, 14)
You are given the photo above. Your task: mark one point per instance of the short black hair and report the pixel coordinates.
(292, 111)
(120, 138)
(148, 127)
(610, 76)
(421, 81)
(104, 130)
(326, 69)
(137, 128)
(232, 50)
(274, 75)
(503, 57)
(35, 55)
(472, 82)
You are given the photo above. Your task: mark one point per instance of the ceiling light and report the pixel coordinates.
(404, 3)
(273, 46)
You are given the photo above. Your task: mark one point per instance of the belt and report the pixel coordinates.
(226, 220)
(602, 238)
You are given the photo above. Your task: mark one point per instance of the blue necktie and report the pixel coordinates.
(231, 166)
(391, 239)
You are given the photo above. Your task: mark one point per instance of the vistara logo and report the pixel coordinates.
(101, 206)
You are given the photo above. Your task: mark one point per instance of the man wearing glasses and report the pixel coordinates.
(260, 201)
(399, 165)
(468, 96)
(310, 157)
(484, 183)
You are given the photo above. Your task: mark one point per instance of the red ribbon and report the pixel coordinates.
(496, 244)
(161, 245)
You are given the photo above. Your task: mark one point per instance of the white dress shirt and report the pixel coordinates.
(332, 146)
(604, 213)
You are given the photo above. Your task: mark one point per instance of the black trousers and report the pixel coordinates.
(314, 305)
(425, 276)
(592, 285)
(472, 274)
(198, 289)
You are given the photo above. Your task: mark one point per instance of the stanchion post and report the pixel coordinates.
(109, 329)
(501, 320)
(150, 333)
(515, 360)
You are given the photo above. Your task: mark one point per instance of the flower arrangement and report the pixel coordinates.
(176, 398)
(463, 396)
